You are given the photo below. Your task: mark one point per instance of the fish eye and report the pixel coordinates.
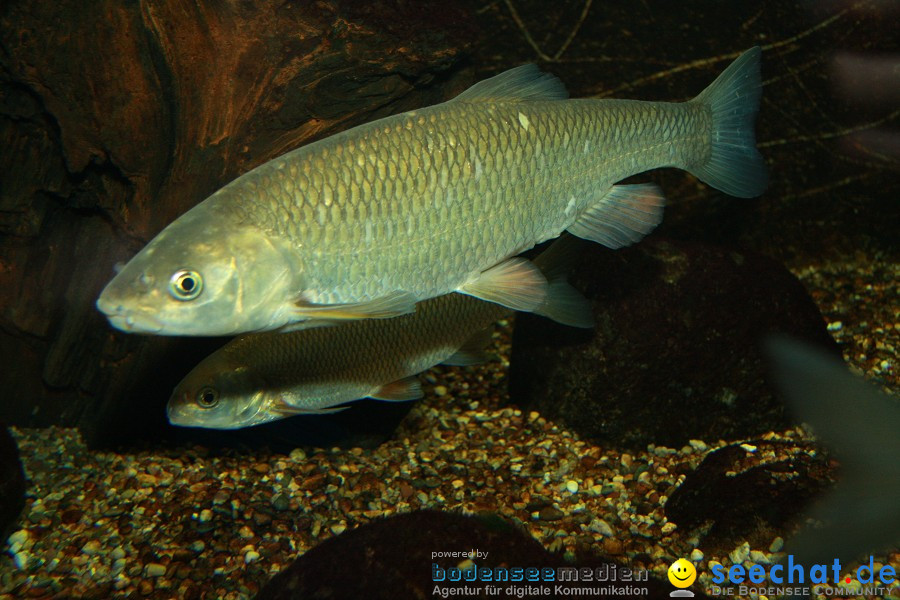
(185, 284)
(207, 397)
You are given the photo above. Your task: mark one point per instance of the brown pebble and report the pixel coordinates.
(261, 468)
(72, 515)
(182, 555)
(551, 513)
(406, 490)
(261, 518)
(312, 482)
(613, 546)
(145, 587)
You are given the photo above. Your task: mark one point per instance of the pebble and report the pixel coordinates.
(572, 486)
(117, 553)
(17, 540)
(297, 455)
(154, 570)
(338, 528)
(198, 545)
(740, 554)
(698, 445)
(550, 513)
(696, 555)
(281, 501)
(440, 390)
(206, 515)
(602, 527)
(777, 544)
(245, 533)
(759, 558)
(91, 547)
(251, 556)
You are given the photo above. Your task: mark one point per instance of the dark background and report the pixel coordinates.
(117, 117)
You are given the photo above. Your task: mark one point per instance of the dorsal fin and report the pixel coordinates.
(525, 83)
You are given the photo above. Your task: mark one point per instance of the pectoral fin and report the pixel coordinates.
(515, 283)
(472, 352)
(284, 409)
(402, 390)
(392, 305)
(624, 215)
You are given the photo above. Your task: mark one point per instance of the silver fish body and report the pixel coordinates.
(367, 222)
(266, 376)
(261, 377)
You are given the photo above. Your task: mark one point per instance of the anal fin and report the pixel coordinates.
(402, 390)
(624, 215)
(515, 283)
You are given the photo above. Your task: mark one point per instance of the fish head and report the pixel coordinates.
(204, 275)
(217, 395)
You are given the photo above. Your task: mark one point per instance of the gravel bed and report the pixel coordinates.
(184, 523)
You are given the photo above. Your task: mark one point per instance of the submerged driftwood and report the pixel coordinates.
(117, 117)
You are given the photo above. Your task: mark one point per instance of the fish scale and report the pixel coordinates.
(493, 216)
(369, 221)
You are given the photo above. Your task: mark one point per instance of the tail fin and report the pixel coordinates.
(564, 304)
(735, 166)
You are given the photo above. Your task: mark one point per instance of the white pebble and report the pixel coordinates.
(18, 539)
(251, 556)
(602, 527)
(696, 555)
(572, 486)
(740, 554)
(698, 445)
(835, 326)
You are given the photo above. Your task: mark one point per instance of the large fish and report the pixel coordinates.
(370, 221)
(261, 377)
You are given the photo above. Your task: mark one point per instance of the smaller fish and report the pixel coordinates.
(262, 377)
(861, 515)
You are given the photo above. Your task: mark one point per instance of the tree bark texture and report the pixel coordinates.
(116, 117)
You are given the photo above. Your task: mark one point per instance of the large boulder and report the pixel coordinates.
(392, 558)
(676, 351)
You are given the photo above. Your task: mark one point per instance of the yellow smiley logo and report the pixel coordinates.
(682, 573)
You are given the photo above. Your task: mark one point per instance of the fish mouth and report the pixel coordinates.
(128, 320)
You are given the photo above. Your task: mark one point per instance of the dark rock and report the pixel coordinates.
(12, 483)
(753, 496)
(391, 558)
(676, 352)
